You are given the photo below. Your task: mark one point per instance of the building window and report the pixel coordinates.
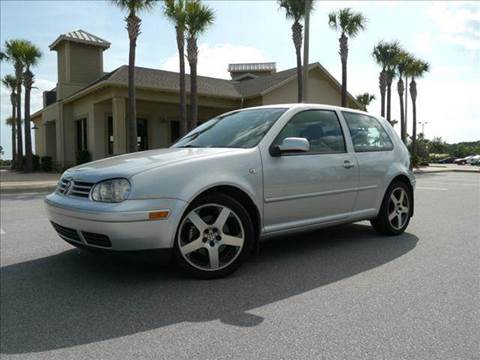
(81, 134)
(174, 131)
(110, 135)
(142, 134)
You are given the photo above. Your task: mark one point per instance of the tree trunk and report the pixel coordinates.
(13, 97)
(297, 42)
(183, 105)
(403, 133)
(192, 54)
(389, 98)
(382, 80)
(28, 83)
(344, 55)
(413, 94)
(19, 162)
(133, 27)
(406, 106)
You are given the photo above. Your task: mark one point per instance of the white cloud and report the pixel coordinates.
(457, 22)
(213, 60)
(424, 43)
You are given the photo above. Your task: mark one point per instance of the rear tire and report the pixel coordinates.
(214, 237)
(396, 210)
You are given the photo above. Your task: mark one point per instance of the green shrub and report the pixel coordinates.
(83, 157)
(47, 163)
(36, 162)
(415, 159)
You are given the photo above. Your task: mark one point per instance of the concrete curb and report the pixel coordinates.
(419, 172)
(15, 189)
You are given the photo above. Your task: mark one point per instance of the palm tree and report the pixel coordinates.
(198, 19)
(132, 7)
(10, 82)
(416, 69)
(403, 61)
(175, 11)
(10, 121)
(15, 50)
(295, 10)
(30, 57)
(385, 55)
(365, 99)
(349, 24)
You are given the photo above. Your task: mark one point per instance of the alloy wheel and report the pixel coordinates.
(398, 208)
(211, 237)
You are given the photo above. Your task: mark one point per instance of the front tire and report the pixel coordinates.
(214, 237)
(395, 212)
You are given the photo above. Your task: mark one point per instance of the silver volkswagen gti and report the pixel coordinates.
(237, 179)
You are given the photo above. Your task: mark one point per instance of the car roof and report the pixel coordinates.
(308, 106)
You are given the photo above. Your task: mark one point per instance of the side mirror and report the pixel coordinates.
(290, 145)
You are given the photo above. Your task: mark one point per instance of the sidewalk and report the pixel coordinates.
(439, 168)
(16, 182)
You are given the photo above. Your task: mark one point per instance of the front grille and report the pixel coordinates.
(70, 187)
(97, 239)
(64, 232)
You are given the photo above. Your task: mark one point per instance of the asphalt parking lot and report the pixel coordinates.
(341, 293)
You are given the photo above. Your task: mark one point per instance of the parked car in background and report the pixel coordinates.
(448, 160)
(237, 179)
(461, 161)
(475, 160)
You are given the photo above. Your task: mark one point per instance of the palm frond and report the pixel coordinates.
(10, 121)
(10, 82)
(31, 55)
(347, 21)
(295, 9)
(198, 17)
(417, 68)
(175, 11)
(365, 98)
(134, 6)
(386, 54)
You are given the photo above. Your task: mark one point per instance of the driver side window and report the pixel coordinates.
(320, 127)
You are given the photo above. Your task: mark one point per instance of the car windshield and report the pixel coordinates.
(240, 129)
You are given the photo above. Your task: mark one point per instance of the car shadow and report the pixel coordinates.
(76, 298)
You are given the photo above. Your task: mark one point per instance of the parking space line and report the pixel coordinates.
(430, 188)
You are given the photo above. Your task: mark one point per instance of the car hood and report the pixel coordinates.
(131, 164)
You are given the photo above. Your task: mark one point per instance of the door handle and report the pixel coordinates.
(348, 165)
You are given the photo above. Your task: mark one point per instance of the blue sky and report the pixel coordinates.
(446, 34)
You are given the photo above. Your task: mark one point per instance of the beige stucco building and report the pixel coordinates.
(87, 109)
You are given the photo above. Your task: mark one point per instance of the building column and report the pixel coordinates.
(119, 111)
(96, 132)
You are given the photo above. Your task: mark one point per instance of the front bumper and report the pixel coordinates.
(122, 226)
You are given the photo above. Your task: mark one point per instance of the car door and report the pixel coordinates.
(374, 153)
(311, 187)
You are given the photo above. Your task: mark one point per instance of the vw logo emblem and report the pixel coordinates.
(67, 187)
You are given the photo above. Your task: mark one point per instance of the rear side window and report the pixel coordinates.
(367, 133)
(320, 127)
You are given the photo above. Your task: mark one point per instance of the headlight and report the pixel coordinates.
(115, 190)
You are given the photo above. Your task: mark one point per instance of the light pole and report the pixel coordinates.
(305, 50)
(423, 123)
